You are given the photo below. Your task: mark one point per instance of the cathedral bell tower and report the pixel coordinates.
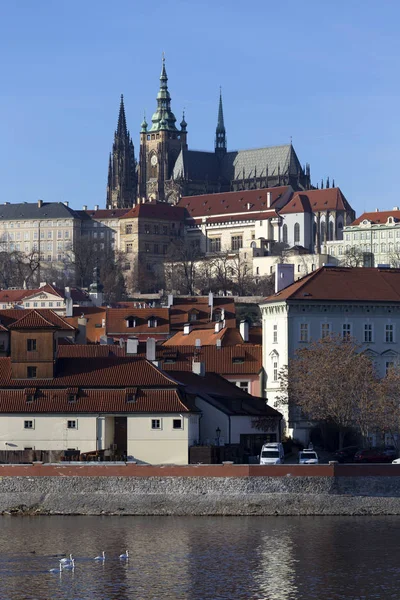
(160, 145)
(122, 178)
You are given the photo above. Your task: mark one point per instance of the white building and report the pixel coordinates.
(361, 302)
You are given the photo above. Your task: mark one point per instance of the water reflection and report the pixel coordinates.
(200, 558)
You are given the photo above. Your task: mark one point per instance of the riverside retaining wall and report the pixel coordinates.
(129, 489)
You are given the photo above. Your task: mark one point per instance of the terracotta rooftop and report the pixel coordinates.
(117, 321)
(378, 217)
(31, 319)
(90, 350)
(316, 200)
(357, 284)
(181, 308)
(10, 315)
(245, 201)
(94, 315)
(228, 360)
(156, 210)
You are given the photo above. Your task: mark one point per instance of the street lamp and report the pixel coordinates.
(218, 433)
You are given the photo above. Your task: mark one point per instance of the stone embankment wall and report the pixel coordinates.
(200, 490)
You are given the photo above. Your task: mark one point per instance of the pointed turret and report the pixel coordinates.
(122, 182)
(220, 133)
(163, 118)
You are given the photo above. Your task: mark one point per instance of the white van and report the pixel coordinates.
(272, 454)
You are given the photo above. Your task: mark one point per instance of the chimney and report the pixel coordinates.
(284, 276)
(103, 323)
(69, 307)
(170, 301)
(244, 330)
(248, 205)
(40, 203)
(395, 208)
(42, 284)
(377, 210)
(67, 292)
(269, 199)
(81, 335)
(197, 344)
(96, 207)
(187, 328)
(84, 207)
(219, 344)
(132, 346)
(198, 368)
(66, 204)
(218, 326)
(151, 349)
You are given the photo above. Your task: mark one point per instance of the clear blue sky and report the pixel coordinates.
(324, 72)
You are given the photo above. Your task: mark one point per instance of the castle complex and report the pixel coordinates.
(168, 170)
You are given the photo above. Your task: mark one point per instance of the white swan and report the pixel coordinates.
(103, 557)
(125, 556)
(66, 561)
(70, 566)
(56, 570)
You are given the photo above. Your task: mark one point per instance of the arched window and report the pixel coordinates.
(296, 233)
(322, 231)
(383, 248)
(284, 234)
(314, 232)
(331, 230)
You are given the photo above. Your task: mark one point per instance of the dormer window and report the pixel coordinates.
(71, 397)
(193, 315)
(30, 397)
(131, 395)
(152, 322)
(217, 316)
(238, 360)
(130, 321)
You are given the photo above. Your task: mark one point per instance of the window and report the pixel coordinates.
(147, 247)
(243, 385)
(313, 267)
(383, 248)
(130, 322)
(299, 268)
(155, 248)
(236, 242)
(215, 244)
(165, 249)
(71, 397)
(257, 270)
(66, 234)
(59, 234)
(129, 248)
(31, 372)
(296, 233)
(30, 345)
(128, 229)
(303, 332)
(131, 397)
(176, 423)
(346, 331)
(28, 425)
(49, 235)
(58, 303)
(284, 234)
(389, 334)
(152, 322)
(275, 334)
(156, 423)
(275, 365)
(146, 228)
(193, 317)
(156, 229)
(325, 330)
(367, 332)
(165, 229)
(30, 398)
(388, 366)
(71, 425)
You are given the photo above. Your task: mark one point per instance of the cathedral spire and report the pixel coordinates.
(220, 132)
(121, 182)
(163, 118)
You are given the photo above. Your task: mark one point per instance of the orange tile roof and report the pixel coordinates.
(207, 337)
(90, 351)
(316, 200)
(31, 319)
(234, 202)
(156, 210)
(179, 311)
(116, 321)
(10, 315)
(228, 360)
(378, 217)
(357, 284)
(94, 316)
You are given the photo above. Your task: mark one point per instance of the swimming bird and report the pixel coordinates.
(56, 570)
(70, 566)
(103, 557)
(124, 556)
(66, 561)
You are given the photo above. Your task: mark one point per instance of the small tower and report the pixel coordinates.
(220, 133)
(160, 145)
(122, 180)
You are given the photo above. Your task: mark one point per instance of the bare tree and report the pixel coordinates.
(388, 404)
(352, 257)
(182, 266)
(331, 380)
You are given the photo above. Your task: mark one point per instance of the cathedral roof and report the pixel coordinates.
(255, 162)
(197, 166)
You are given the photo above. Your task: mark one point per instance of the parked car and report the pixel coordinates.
(373, 455)
(346, 454)
(396, 461)
(308, 457)
(272, 454)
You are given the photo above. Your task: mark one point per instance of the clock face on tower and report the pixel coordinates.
(154, 160)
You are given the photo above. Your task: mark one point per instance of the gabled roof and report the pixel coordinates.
(378, 217)
(244, 203)
(10, 315)
(196, 165)
(207, 337)
(178, 312)
(255, 162)
(356, 284)
(316, 200)
(116, 321)
(31, 210)
(31, 319)
(227, 360)
(156, 210)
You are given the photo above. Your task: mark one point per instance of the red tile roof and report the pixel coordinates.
(31, 319)
(91, 400)
(316, 200)
(156, 210)
(7, 296)
(116, 321)
(93, 372)
(234, 202)
(249, 216)
(378, 217)
(207, 337)
(228, 360)
(95, 315)
(90, 351)
(179, 311)
(357, 284)
(10, 315)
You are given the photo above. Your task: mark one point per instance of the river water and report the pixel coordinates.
(201, 558)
